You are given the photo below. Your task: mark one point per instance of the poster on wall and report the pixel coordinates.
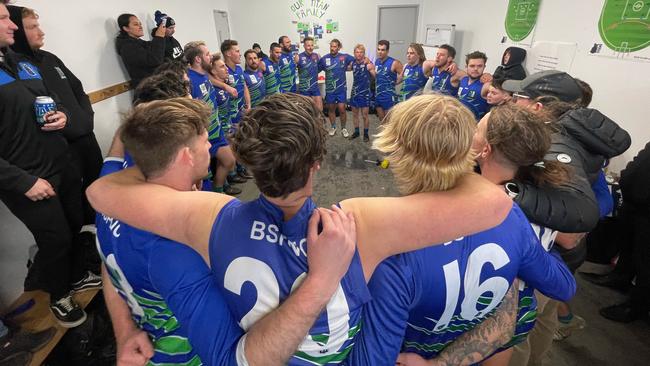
(309, 17)
(623, 31)
(551, 56)
(521, 19)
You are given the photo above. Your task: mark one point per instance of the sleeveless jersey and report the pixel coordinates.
(256, 86)
(287, 72)
(470, 95)
(386, 79)
(335, 67)
(412, 81)
(271, 76)
(202, 89)
(425, 299)
(308, 72)
(170, 292)
(361, 84)
(236, 80)
(442, 83)
(223, 108)
(258, 259)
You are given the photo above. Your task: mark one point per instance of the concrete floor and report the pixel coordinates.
(344, 174)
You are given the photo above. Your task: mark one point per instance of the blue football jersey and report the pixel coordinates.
(361, 84)
(237, 104)
(413, 81)
(470, 96)
(307, 72)
(386, 79)
(425, 299)
(256, 86)
(441, 83)
(258, 258)
(170, 292)
(271, 76)
(335, 67)
(287, 72)
(202, 89)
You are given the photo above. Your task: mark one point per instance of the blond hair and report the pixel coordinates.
(361, 47)
(427, 140)
(28, 13)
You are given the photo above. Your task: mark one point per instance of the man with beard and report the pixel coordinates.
(288, 63)
(335, 65)
(308, 73)
(444, 81)
(254, 78)
(388, 69)
(271, 69)
(472, 89)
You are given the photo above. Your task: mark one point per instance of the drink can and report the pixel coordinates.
(42, 105)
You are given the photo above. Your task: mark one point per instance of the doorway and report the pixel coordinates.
(222, 25)
(398, 25)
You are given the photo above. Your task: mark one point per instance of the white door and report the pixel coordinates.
(398, 25)
(221, 25)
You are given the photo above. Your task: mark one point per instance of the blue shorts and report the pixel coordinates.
(384, 103)
(338, 97)
(216, 144)
(360, 101)
(311, 92)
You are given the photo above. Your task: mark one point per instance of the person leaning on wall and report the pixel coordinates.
(140, 57)
(86, 154)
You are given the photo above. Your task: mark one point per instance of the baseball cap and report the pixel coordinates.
(546, 83)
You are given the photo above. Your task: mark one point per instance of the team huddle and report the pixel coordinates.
(449, 273)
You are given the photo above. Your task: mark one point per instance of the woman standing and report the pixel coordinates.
(140, 57)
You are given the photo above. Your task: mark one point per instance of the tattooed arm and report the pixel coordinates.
(479, 343)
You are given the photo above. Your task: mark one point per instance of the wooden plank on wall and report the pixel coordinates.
(109, 92)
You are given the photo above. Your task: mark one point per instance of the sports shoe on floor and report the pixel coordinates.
(17, 359)
(23, 342)
(235, 179)
(332, 131)
(345, 133)
(231, 191)
(565, 330)
(90, 281)
(244, 174)
(354, 135)
(67, 312)
(366, 138)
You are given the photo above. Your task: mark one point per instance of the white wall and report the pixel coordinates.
(620, 87)
(82, 34)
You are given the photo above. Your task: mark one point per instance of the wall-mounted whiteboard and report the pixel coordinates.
(438, 34)
(430, 52)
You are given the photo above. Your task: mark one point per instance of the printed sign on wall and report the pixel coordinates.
(521, 19)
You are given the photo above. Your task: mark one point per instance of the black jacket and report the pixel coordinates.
(26, 152)
(140, 57)
(635, 180)
(513, 69)
(173, 48)
(59, 80)
(586, 138)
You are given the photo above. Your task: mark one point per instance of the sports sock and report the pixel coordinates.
(565, 319)
(365, 132)
(356, 130)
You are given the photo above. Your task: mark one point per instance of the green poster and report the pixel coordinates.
(624, 25)
(521, 18)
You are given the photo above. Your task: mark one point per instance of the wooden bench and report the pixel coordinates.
(39, 317)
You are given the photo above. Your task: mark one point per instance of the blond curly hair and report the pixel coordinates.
(427, 140)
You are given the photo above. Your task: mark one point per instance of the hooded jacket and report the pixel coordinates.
(635, 180)
(585, 140)
(26, 152)
(173, 48)
(140, 57)
(59, 80)
(514, 69)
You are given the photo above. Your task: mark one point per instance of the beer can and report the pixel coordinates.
(42, 105)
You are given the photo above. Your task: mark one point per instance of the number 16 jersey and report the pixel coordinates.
(258, 259)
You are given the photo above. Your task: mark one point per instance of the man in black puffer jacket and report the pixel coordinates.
(59, 79)
(511, 67)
